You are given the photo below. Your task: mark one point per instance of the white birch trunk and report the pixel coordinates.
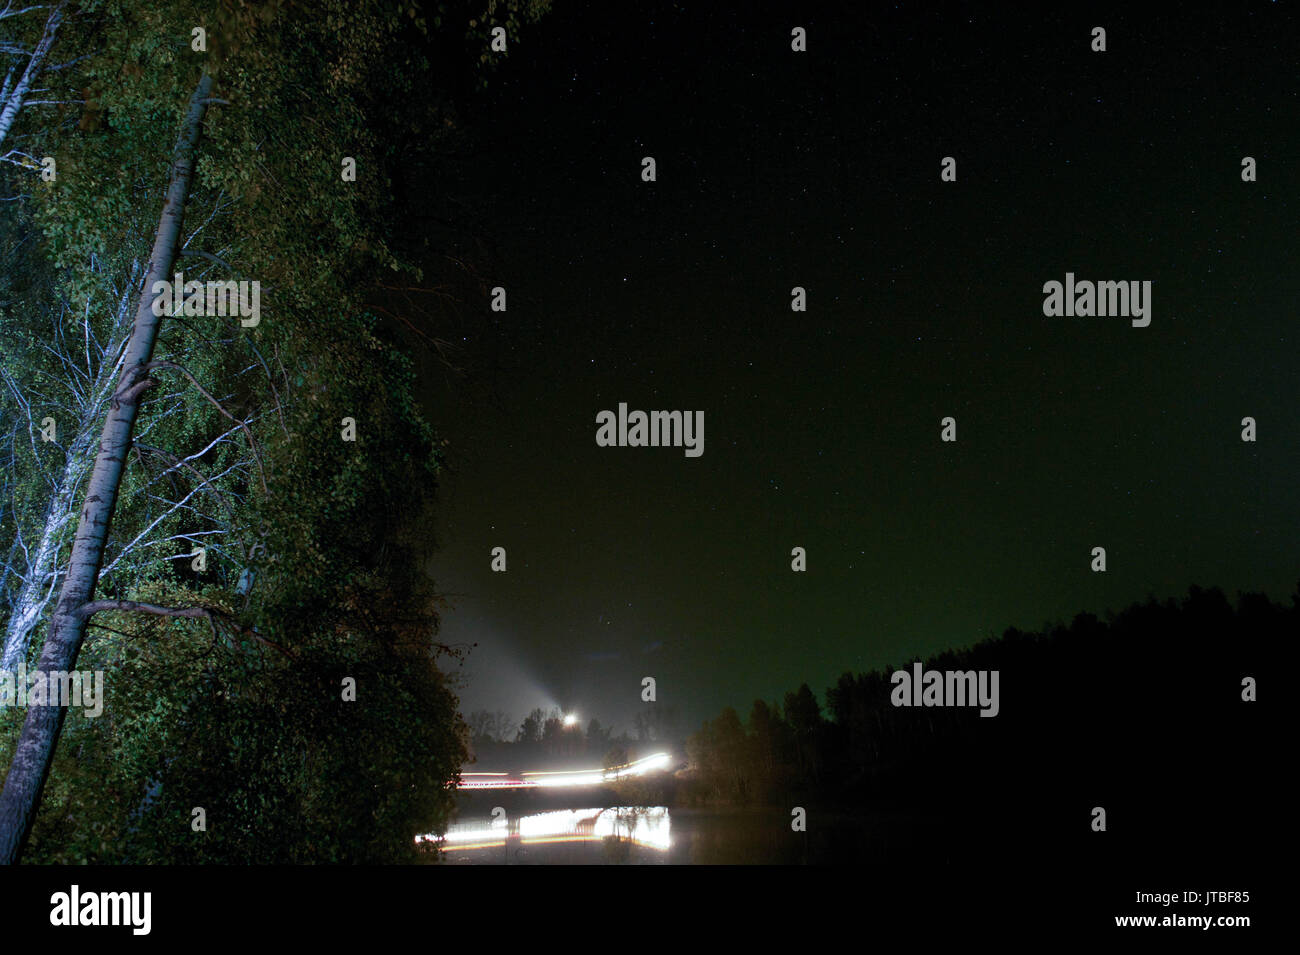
(17, 95)
(42, 575)
(40, 734)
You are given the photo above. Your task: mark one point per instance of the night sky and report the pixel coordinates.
(822, 429)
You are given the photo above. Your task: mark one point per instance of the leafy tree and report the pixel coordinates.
(803, 714)
(597, 737)
(530, 731)
(232, 700)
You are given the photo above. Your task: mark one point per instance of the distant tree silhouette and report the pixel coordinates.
(597, 738)
(1141, 712)
(530, 731)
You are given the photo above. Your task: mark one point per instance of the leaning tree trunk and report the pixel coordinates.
(31, 762)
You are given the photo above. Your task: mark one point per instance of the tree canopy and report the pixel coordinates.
(281, 473)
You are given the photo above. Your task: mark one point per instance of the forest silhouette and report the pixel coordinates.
(1142, 713)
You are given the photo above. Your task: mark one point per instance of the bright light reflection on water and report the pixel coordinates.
(643, 826)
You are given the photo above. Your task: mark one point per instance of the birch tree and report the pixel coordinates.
(222, 694)
(91, 378)
(18, 86)
(31, 762)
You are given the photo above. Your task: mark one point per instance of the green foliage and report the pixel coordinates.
(284, 768)
(319, 574)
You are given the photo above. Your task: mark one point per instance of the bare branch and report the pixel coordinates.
(213, 617)
(257, 455)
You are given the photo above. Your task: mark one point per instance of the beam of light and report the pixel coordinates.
(647, 827)
(467, 835)
(647, 764)
(491, 781)
(581, 777)
(556, 778)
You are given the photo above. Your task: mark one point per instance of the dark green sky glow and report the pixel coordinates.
(925, 300)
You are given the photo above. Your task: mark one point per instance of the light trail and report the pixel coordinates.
(553, 779)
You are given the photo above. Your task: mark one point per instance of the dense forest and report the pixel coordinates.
(241, 493)
(1150, 713)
